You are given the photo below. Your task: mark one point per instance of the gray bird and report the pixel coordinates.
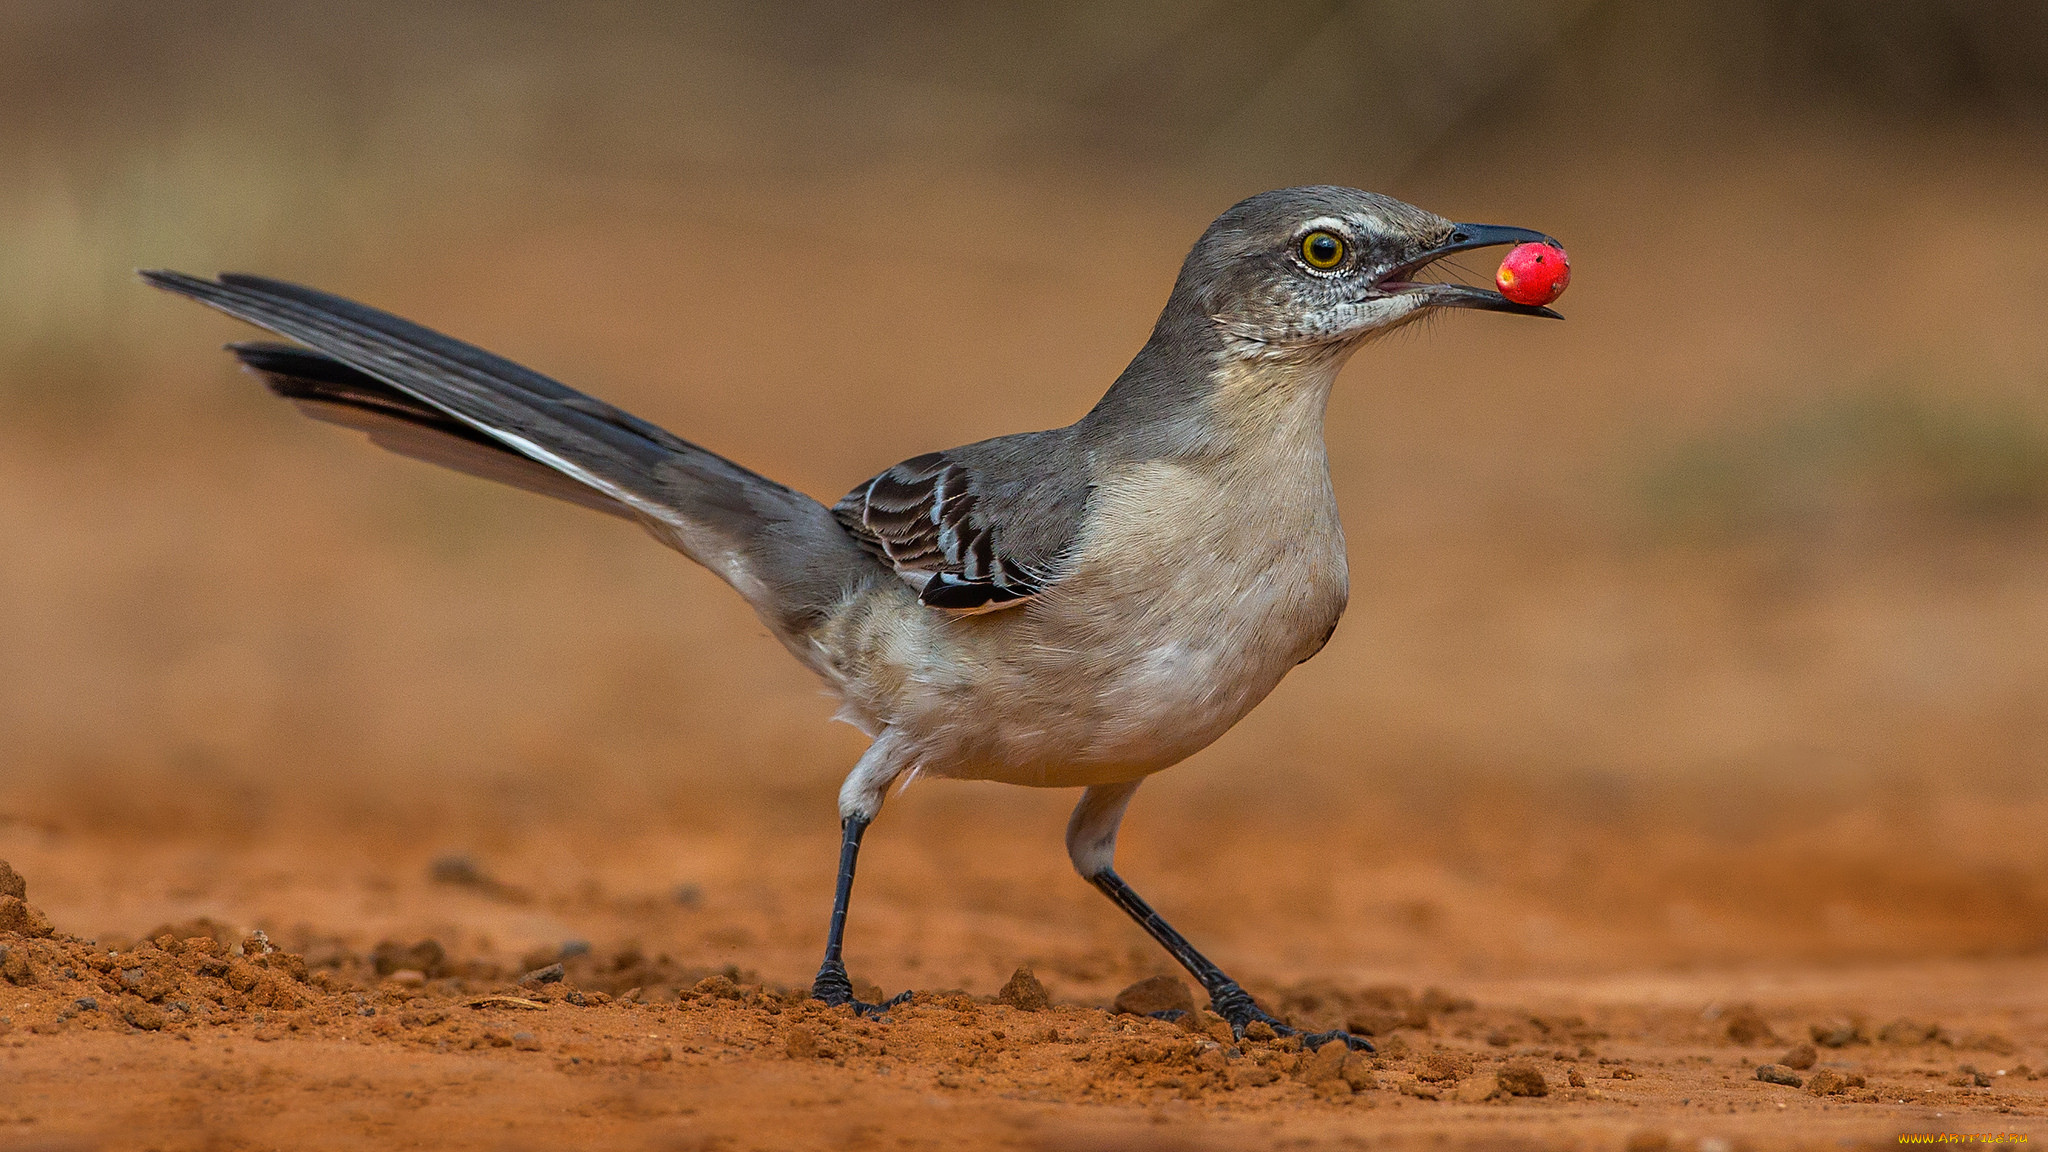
(1079, 607)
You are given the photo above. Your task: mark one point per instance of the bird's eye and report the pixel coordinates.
(1322, 250)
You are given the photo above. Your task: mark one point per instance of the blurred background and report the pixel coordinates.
(1708, 627)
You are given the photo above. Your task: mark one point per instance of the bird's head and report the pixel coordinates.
(1304, 272)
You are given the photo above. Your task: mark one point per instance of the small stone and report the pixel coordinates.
(1747, 1026)
(1836, 1033)
(16, 915)
(14, 966)
(1800, 1056)
(1907, 1031)
(1155, 994)
(408, 978)
(1827, 1082)
(552, 974)
(1778, 1074)
(800, 1043)
(11, 883)
(1261, 1031)
(525, 1042)
(1024, 992)
(1522, 1079)
(87, 1003)
(1327, 1063)
(145, 1016)
(1575, 1078)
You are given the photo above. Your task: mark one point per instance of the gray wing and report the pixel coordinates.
(973, 535)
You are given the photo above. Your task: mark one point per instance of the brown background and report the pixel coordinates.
(1703, 634)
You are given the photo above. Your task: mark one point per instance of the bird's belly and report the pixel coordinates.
(1127, 668)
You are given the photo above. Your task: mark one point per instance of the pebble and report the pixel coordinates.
(1907, 1031)
(1778, 1074)
(1836, 1033)
(1828, 1082)
(1024, 992)
(1522, 1079)
(1801, 1056)
(1747, 1026)
(1155, 994)
(552, 974)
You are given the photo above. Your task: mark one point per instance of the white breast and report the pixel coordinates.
(1199, 583)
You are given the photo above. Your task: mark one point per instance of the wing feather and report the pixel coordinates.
(927, 518)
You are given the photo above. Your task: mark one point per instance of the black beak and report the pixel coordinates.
(1463, 237)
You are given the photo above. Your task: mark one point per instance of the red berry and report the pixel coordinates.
(1534, 274)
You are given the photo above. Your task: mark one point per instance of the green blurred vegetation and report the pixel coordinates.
(1866, 461)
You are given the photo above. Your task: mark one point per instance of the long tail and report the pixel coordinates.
(438, 399)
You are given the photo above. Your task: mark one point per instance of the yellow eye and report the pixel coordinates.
(1323, 250)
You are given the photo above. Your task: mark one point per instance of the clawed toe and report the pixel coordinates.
(1318, 1039)
(834, 988)
(1237, 1007)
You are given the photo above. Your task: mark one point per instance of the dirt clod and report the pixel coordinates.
(1023, 991)
(1800, 1056)
(426, 957)
(1836, 1033)
(1155, 994)
(143, 1015)
(1747, 1026)
(1522, 1079)
(801, 1043)
(1326, 1063)
(17, 915)
(1778, 1074)
(1444, 1065)
(1907, 1031)
(11, 883)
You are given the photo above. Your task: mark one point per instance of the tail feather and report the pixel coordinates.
(335, 393)
(430, 396)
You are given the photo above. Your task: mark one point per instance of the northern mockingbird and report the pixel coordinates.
(1079, 607)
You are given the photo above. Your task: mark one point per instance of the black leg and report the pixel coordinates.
(832, 985)
(1226, 998)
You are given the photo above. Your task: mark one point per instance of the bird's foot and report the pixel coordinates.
(834, 988)
(1237, 1008)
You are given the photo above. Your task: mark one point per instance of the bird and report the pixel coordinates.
(1082, 606)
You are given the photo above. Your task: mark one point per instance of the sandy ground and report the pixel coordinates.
(202, 1039)
(1573, 800)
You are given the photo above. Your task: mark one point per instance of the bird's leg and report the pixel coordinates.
(859, 801)
(1091, 842)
